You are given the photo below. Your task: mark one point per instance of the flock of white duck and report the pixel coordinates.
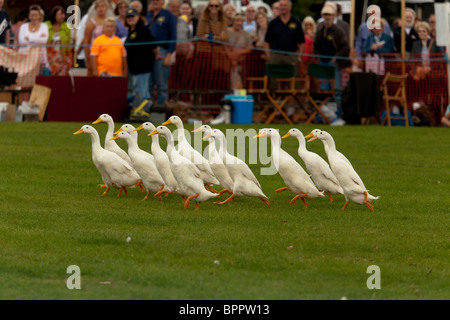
(184, 171)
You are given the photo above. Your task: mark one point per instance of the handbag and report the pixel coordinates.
(421, 72)
(375, 64)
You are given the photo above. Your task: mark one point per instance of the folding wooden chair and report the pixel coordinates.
(279, 86)
(399, 82)
(317, 75)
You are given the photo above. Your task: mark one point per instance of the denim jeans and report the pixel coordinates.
(160, 78)
(141, 83)
(337, 81)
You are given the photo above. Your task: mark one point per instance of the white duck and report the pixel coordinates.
(317, 167)
(130, 129)
(215, 161)
(111, 145)
(293, 174)
(349, 180)
(245, 182)
(162, 161)
(325, 145)
(187, 151)
(114, 170)
(186, 173)
(144, 164)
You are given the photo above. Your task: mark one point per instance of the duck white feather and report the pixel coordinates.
(114, 170)
(245, 182)
(292, 173)
(349, 180)
(187, 151)
(317, 167)
(162, 161)
(326, 148)
(111, 145)
(216, 163)
(144, 164)
(185, 172)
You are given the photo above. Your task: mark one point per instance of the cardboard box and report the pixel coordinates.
(10, 113)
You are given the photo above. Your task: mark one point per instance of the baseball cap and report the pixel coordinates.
(132, 12)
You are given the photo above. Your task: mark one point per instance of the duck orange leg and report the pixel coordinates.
(366, 201)
(302, 196)
(221, 192)
(231, 198)
(141, 185)
(265, 201)
(186, 204)
(120, 191)
(282, 189)
(104, 193)
(158, 194)
(197, 205)
(209, 188)
(329, 196)
(146, 197)
(345, 205)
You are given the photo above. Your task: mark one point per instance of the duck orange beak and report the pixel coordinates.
(139, 128)
(207, 136)
(153, 132)
(286, 135)
(97, 121)
(197, 130)
(260, 135)
(118, 131)
(79, 131)
(311, 136)
(167, 122)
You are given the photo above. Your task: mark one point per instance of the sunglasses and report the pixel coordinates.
(214, 6)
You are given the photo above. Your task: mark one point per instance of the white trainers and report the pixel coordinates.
(219, 119)
(338, 122)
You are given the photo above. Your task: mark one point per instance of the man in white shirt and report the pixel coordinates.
(250, 16)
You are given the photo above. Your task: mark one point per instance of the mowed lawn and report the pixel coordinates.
(52, 216)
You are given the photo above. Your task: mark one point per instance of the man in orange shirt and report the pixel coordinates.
(108, 54)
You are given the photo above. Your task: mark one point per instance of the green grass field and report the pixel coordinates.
(52, 216)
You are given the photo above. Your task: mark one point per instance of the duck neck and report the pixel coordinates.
(110, 132)
(170, 145)
(95, 140)
(181, 135)
(329, 141)
(155, 143)
(276, 143)
(222, 147)
(301, 144)
(132, 144)
(212, 148)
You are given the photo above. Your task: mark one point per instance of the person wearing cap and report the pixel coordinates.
(140, 58)
(331, 43)
(364, 32)
(163, 26)
(338, 21)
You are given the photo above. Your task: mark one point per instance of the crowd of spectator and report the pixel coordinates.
(173, 24)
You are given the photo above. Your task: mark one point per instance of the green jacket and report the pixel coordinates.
(64, 33)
